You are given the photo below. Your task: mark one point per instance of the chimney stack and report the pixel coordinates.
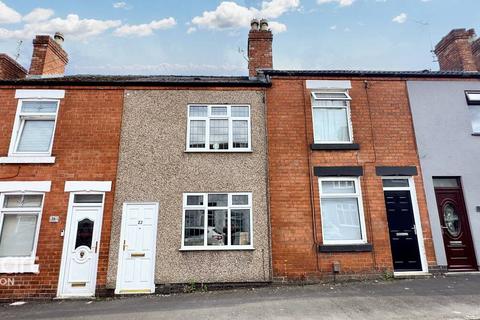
(260, 40)
(48, 58)
(455, 52)
(476, 52)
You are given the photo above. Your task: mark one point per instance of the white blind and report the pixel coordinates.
(17, 235)
(36, 136)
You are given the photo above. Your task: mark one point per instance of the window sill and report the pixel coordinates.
(24, 159)
(335, 146)
(219, 248)
(367, 247)
(18, 268)
(217, 151)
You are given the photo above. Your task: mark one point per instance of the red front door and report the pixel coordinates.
(457, 238)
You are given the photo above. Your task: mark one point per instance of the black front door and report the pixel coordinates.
(403, 236)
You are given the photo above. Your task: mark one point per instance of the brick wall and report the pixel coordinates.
(86, 148)
(382, 125)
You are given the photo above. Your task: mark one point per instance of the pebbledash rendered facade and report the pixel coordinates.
(131, 184)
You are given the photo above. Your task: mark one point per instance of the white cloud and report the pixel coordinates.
(8, 15)
(334, 27)
(277, 27)
(191, 30)
(38, 14)
(341, 3)
(146, 29)
(229, 15)
(72, 26)
(401, 18)
(121, 5)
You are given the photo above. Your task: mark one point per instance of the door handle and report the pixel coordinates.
(443, 227)
(96, 246)
(125, 245)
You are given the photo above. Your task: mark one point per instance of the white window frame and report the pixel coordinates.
(219, 117)
(21, 264)
(20, 118)
(357, 195)
(316, 97)
(205, 208)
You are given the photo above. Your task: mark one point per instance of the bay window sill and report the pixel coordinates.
(26, 160)
(366, 247)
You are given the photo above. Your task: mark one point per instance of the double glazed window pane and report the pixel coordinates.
(17, 235)
(36, 136)
(240, 133)
(23, 201)
(475, 116)
(341, 219)
(198, 111)
(194, 227)
(329, 187)
(240, 224)
(217, 228)
(197, 133)
(240, 112)
(39, 107)
(218, 134)
(331, 124)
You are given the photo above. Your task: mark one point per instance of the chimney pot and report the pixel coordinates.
(254, 24)
(59, 38)
(264, 25)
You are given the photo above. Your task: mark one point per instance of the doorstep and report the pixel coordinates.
(461, 273)
(411, 274)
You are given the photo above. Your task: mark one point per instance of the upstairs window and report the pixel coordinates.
(34, 127)
(473, 100)
(218, 128)
(331, 117)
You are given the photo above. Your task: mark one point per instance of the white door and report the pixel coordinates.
(81, 246)
(136, 263)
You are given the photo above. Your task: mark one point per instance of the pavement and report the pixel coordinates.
(433, 298)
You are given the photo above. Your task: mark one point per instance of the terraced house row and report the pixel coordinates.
(137, 184)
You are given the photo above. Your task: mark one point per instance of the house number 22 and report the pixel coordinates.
(140, 222)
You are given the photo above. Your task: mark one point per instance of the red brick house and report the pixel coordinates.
(345, 184)
(58, 156)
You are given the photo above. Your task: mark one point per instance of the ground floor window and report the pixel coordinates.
(19, 222)
(217, 221)
(342, 211)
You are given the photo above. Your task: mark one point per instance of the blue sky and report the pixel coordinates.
(206, 36)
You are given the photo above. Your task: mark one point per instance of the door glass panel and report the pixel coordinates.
(451, 220)
(395, 183)
(84, 233)
(445, 183)
(88, 198)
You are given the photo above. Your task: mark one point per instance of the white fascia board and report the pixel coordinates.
(329, 84)
(25, 186)
(39, 94)
(100, 186)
